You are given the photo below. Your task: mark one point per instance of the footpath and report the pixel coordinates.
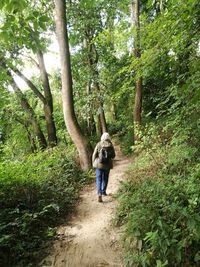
(89, 238)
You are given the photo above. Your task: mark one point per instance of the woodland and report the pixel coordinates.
(130, 68)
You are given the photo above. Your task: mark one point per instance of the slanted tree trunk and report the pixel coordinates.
(25, 105)
(83, 146)
(48, 105)
(137, 54)
(30, 137)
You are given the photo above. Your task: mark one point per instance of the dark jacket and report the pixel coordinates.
(95, 156)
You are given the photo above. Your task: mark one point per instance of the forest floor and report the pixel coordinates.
(89, 239)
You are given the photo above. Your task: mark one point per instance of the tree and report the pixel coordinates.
(28, 109)
(46, 99)
(48, 103)
(85, 25)
(25, 20)
(93, 62)
(137, 54)
(81, 142)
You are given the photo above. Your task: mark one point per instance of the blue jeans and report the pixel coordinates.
(102, 180)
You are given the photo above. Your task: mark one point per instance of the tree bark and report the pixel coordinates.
(92, 61)
(113, 111)
(30, 137)
(25, 124)
(138, 84)
(101, 113)
(48, 104)
(138, 102)
(83, 146)
(25, 105)
(98, 126)
(90, 119)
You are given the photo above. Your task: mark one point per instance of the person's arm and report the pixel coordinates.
(95, 153)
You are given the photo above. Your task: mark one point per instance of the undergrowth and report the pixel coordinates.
(35, 193)
(160, 204)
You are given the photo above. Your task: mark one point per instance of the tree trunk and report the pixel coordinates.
(91, 125)
(98, 126)
(138, 102)
(25, 105)
(92, 61)
(103, 121)
(101, 113)
(83, 146)
(30, 137)
(113, 111)
(90, 119)
(48, 105)
(137, 54)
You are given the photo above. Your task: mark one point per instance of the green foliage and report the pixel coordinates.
(170, 53)
(35, 193)
(160, 202)
(162, 221)
(23, 24)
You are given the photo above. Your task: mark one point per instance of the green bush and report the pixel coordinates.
(159, 207)
(34, 194)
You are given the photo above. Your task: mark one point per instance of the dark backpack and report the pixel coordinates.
(105, 154)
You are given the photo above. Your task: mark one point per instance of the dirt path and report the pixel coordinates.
(90, 240)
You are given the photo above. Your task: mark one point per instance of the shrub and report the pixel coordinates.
(35, 193)
(159, 207)
(163, 222)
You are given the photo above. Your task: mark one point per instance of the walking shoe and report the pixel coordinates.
(104, 193)
(100, 198)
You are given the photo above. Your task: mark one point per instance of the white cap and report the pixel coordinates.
(105, 136)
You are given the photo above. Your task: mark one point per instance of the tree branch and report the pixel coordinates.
(31, 85)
